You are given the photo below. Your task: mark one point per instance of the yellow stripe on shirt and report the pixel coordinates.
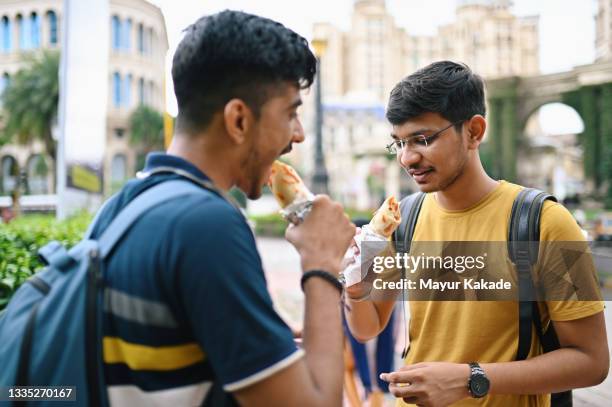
(142, 357)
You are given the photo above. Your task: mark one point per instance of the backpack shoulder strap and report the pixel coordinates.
(410, 207)
(523, 246)
(148, 199)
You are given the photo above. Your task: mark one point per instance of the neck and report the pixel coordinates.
(468, 189)
(207, 155)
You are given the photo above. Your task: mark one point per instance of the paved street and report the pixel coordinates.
(282, 267)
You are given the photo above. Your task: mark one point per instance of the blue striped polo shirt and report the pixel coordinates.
(188, 318)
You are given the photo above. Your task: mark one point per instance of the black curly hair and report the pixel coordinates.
(233, 54)
(445, 87)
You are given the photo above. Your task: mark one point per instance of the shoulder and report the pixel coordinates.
(210, 215)
(557, 223)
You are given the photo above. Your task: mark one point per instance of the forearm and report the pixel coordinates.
(363, 319)
(560, 370)
(323, 340)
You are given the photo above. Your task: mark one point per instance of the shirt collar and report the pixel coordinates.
(160, 159)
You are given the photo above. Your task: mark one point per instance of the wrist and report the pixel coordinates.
(478, 382)
(326, 277)
(462, 380)
(332, 268)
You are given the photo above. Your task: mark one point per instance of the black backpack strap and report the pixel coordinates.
(523, 247)
(410, 207)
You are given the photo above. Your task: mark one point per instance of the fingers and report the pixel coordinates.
(406, 374)
(403, 390)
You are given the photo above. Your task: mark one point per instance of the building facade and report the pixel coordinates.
(136, 72)
(359, 67)
(485, 35)
(603, 29)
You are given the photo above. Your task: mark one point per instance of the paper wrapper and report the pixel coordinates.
(386, 219)
(352, 274)
(290, 192)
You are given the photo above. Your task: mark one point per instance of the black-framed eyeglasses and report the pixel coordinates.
(418, 142)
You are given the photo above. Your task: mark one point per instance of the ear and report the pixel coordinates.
(238, 119)
(475, 127)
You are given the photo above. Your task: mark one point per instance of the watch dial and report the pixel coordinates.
(479, 386)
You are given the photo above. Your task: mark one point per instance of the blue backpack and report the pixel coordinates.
(50, 333)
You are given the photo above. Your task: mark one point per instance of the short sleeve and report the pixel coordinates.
(225, 296)
(567, 263)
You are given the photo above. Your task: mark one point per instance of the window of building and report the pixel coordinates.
(116, 32)
(127, 91)
(6, 34)
(52, 20)
(9, 171)
(117, 89)
(4, 81)
(140, 39)
(127, 34)
(118, 170)
(34, 31)
(119, 132)
(151, 93)
(150, 42)
(141, 91)
(37, 173)
(23, 32)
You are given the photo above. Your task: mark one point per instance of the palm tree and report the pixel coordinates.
(30, 102)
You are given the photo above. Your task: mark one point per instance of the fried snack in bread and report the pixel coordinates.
(387, 218)
(286, 184)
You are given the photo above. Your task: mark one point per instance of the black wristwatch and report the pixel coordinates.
(478, 383)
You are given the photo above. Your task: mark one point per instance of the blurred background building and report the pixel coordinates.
(359, 67)
(603, 28)
(136, 72)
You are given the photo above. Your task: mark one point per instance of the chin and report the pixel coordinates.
(254, 195)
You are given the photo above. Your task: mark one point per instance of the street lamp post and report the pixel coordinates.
(320, 177)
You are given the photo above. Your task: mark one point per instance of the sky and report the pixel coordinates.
(567, 27)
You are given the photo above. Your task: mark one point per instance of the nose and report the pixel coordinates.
(408, 158)
(298, 132)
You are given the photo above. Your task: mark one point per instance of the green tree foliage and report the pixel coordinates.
(30, 102)
(147, 129)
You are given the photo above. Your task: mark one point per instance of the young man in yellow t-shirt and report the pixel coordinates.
(438, 118)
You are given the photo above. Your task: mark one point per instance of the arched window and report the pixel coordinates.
(127, 91)
(117, 89)
(6, 31)
(150, 41)
(34, 31)
(141, 91)
(116, 32)
(9, 173)
(52, 20)
(23, 32)
(141, 40)
(151, 93)
(118, 171)
(37, 172)
(127, 34)
(4, 81)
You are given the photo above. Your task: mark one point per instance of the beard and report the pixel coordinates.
(459, 170)
(252, 184)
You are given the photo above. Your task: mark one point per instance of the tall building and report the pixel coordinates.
(375, 53)
(603, 24)
(136, 72)
(359, 67)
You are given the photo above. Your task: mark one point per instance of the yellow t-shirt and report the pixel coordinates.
(485, 331)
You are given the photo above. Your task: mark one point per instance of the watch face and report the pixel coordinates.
(479, 386)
